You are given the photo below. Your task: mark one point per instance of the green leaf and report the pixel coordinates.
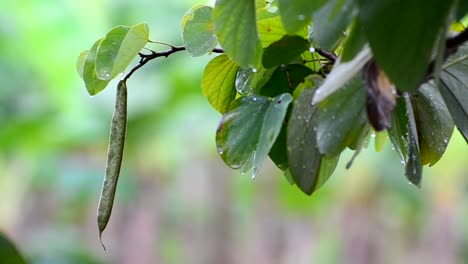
(218, 82)
(278, 153)
(285, 79)
(250, 80)
(286, 50)
(296, 14)
(235, 27)
(198, 30)
(93, 84)
(120, 46)
(380, 140)
(309, 169)
(8, 252)
(454, 88)
(401, 34)
(398, 130)
(80, 62)
(331, 21)
(355, 42)
(341, 118)
(413, 170)
(271, 127)
(434, 123)
(248, 130)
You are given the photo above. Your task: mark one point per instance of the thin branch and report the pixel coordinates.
(452, 45)
(327, 54)
(145, 58)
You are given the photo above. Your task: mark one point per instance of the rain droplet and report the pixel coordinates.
(312, 49)
(301, 17)
(254, 70)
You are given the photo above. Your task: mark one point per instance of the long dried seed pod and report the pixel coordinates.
(114, 158)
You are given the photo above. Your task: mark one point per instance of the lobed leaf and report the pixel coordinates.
(236, 30)
(434, 123)
(93, 84)
(341, 118)
(218, 82)
(402, 34)
(249, 129)
(198, 30)
(286, 50)
(296, 14)
(120, 46)
(308, 167)
(331, 21)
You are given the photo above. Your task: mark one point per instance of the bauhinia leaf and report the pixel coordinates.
(218, 82)
(198, 30)
(236, 30)
(296, 14)
(286, 50)
(341, 117)
(434, 123)
(249, 129)
(93, 84)
(413, 170)
(120, 46)
(309, 168)
(402, 46)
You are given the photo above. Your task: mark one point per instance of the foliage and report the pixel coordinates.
(302, 81)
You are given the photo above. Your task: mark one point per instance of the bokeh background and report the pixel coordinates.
(177, 202)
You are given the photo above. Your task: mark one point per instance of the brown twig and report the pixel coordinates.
(145, 58)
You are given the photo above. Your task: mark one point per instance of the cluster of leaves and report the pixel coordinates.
(300, 81)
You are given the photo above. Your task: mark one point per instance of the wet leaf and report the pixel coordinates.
(434, 123)
(354, 42)
(398, 130)
(296, 14)
(93, 84)
(285, 79)
(198, 30)
(401, 34)
(309, 168)
(413, 170)
(218, 82)
(247, 132)
(341, 117)
(120, 46)
(331, 21)
(250, 81)
(286, 50)
(236, 30)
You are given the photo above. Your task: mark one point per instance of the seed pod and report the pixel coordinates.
(381, 96)
(114, 158)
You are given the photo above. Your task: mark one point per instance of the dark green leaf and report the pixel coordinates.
(454, 88)
(434, 123)
(462, 9)
(218, 82)
(286, 50)
(285, 79)
(331, 21)
(399, 129)
(309, 169)
(341, 117)
(402, 34)
(120, 46)
(413, 170)
(235, 27)
(198, 30)
(278, 153)
(249, 129)
(9, 254)
(355, 41)
(296, 14)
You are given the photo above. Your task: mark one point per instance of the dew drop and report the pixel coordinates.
(312, 49)
(301, 17)
(254, 70)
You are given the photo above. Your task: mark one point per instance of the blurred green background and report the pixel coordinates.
(177, 202)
